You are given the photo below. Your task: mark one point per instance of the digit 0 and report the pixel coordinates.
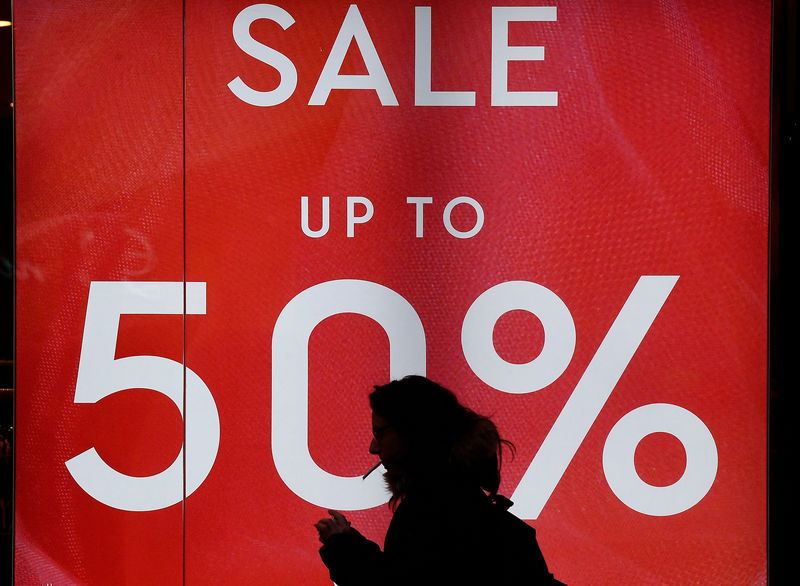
(290, 383)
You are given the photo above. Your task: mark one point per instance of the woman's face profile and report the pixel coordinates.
(386, 443)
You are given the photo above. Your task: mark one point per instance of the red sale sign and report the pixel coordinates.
(235, 218)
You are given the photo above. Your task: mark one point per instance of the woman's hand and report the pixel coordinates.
(338, 523)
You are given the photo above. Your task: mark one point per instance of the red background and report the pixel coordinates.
(136, 162)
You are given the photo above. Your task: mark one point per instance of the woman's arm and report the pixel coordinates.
(351, 558)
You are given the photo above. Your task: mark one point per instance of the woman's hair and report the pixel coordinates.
(445, 443)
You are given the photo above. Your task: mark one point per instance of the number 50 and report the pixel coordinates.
(101, 375)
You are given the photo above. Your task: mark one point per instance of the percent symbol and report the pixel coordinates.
(589, 396)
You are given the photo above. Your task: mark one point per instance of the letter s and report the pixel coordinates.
(284, 65)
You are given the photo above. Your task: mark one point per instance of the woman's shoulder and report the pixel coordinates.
(459, 514)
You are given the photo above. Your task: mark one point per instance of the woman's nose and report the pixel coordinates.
(373, 446)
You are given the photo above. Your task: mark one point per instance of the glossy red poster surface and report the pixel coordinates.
(234, 219)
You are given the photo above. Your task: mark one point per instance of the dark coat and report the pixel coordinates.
(456, 538)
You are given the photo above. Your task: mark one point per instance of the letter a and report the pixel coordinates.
(352, 28)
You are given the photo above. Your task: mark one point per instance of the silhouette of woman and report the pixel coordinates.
(442, 465)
